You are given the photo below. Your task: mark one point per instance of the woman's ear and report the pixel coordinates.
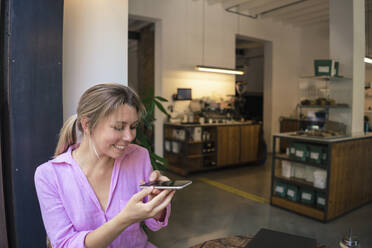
(85, 125)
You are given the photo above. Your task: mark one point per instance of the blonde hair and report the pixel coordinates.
(96, 103)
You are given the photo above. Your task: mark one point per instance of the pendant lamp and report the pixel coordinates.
(214, 69)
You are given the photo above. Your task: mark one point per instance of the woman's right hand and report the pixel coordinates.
(136, 210)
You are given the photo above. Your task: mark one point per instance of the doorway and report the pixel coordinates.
(141, 62)
(253, 102)
(254, 56)
(141, 56)
(249, 87)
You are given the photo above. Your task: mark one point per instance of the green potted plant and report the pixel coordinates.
(145, 130)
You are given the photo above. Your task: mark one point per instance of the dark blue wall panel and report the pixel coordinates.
(34, 88)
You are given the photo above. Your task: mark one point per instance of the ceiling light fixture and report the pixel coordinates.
(214, 69)
(368, 60)
(218, 70)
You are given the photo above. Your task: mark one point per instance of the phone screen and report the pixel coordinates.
(172, 184)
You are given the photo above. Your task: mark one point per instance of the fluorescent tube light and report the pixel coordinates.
(218, 70)
(368, 60)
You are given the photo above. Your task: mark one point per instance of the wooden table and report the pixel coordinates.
(231, 242)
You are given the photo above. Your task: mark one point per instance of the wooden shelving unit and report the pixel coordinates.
(215, 146)
(346, 159)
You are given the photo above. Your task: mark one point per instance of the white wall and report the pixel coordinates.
(95, 41)
(182, 46)
(314, 45)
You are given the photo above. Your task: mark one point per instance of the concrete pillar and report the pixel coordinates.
(347, 45)
(95, 47)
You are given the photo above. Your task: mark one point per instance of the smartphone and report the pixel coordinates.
(172, 184)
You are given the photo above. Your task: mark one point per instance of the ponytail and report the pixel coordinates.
(67, 135)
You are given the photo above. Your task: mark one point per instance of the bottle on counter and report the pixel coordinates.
(349, 241)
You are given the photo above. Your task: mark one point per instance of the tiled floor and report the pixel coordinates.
(202, 212)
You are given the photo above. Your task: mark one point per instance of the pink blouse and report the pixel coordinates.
(70, 208)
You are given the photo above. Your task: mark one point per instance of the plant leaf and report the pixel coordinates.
(160, 107)
(161, 98)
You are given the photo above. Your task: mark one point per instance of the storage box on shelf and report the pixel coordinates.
(307, 196)
(326, 67)
(310, 178)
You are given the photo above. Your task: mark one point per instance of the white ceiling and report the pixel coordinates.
(300, 13)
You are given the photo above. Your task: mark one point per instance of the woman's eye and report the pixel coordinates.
(134, 127)
(119, 128)
(122, 127)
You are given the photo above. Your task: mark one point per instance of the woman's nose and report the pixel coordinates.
(128, 135)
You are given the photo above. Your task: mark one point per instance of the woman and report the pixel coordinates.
(89, 194)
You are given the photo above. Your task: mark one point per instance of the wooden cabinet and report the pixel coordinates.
(237, 144)
(228, 145)
(249, 143)
(216, 146)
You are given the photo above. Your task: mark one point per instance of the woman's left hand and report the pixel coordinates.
(157, 176)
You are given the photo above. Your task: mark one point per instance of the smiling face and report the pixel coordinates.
(113, 134)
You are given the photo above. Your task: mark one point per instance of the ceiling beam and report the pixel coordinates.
(307, 11)
(304, 5)
(311, 21)
(254, 4)
(270, 5)
(323, 23)
(232, 3)
(307, 16)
